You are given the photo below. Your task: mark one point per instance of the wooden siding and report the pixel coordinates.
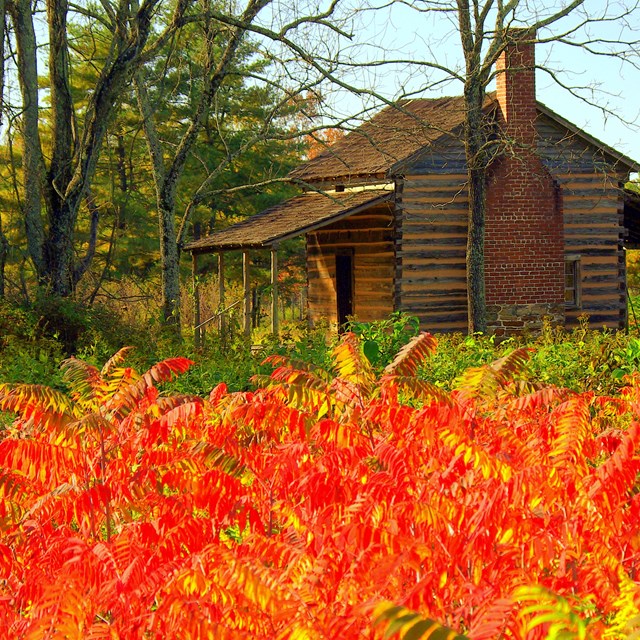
(563, 150)
(593, 222)
(431, 250)
(593, 230)
(370, 235)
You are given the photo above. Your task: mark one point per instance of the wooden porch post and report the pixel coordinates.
(221, 322)
(275, 321)
(247, 293)
(196, 301)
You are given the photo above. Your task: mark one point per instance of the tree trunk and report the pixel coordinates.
(58, 250)
(32, 161)
(74, 150)
(165, 186)
(167, 175)
(170, 263)
(475, 139)
(476, 297)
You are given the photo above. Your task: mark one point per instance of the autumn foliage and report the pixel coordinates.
(325, 505)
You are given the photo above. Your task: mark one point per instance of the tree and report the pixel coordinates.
(218, 53)
(57, 177)
(484, 29)
(64, 118)
(126, 185)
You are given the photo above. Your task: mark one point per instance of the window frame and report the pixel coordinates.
(573, 259)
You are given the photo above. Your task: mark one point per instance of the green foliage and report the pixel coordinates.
(381, 340)
(553, 612)
(583, 359)
(230, 361)
(248, 137)
(30, 347)
(580, 359)
(457, 353)
(26, 354)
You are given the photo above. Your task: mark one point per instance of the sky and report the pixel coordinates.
(610, 106)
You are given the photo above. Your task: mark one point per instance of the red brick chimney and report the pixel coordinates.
(516, 87)
(524, 234)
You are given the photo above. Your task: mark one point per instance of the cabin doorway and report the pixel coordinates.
(344, 287)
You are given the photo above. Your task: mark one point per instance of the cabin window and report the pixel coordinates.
(572, 281)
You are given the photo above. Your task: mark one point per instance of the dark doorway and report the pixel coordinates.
(344, 287)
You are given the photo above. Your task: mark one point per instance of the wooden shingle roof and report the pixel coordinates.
(397, 132)
(291, 218)
(392, 135)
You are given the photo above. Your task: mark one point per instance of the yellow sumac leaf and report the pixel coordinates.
(323, 410)
(192, 583)
(477, 571)
(506, 536)
(300, 634)
(505, 473)
(443, 579)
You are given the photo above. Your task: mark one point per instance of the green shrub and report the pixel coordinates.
(382, 339)
(30, 348)
(457, 352)
(26, 355)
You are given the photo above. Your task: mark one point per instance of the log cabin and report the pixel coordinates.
(384, 211)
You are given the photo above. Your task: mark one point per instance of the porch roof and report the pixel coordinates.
(298, 215)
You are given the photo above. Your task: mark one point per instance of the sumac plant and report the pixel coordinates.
(324, 505)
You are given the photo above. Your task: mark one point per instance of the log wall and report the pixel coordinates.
(370, 235)
(431, 250)
(593, 223)
(419, 267)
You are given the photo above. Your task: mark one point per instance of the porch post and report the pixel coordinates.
(196, 301)
(247, 293)
(221, 322)
(275, 321)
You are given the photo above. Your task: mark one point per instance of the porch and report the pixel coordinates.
(348, 234)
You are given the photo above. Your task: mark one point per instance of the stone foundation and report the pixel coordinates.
(519, 319)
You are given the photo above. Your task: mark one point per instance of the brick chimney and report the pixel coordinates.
(524, 233)
(516, 88)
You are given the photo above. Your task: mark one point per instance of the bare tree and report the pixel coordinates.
(482, 43)
(484, 29)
